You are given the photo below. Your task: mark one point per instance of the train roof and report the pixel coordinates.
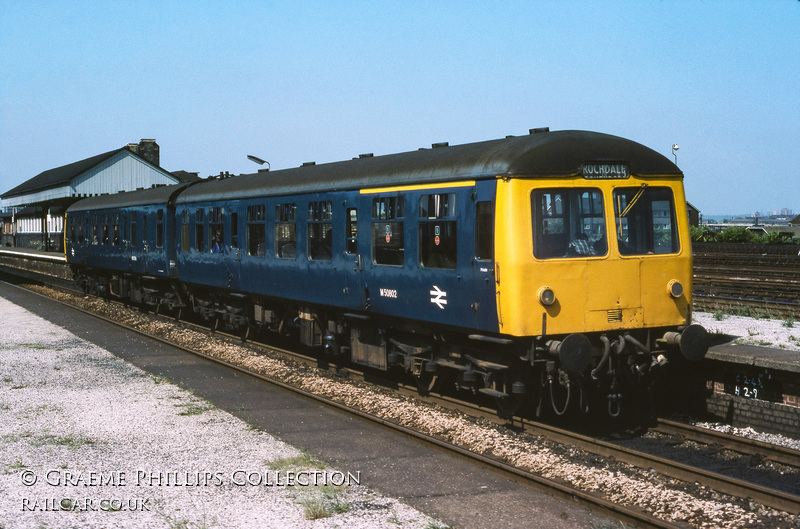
(145, 197)
(540, 154)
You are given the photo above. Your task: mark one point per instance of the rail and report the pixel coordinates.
(730, 278)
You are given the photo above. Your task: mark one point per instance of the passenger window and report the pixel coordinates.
(388, 239)
(256, 230)
(199, 224)
(116, 238)
(352, 231)
(568, 223)
(134, 241)
(320, 226)
(160, 228)
(438, 232)
(234, 230)
(185, 242)
(95, 236)
(105, 230)
(216, 228)
(286, 231)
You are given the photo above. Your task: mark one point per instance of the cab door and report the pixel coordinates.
(484, 303)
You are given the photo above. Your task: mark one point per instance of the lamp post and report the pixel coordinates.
(675, 152)
(258, 160)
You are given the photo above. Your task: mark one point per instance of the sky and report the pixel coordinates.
(323, 81)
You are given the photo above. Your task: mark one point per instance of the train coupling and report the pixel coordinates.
(692, 341)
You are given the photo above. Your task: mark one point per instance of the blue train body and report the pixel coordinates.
(391, 260)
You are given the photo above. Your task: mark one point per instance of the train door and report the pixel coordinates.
(484, 304)
(233, 254)
(354, 259)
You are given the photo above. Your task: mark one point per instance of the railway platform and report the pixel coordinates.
(32, 264)
(754, 386)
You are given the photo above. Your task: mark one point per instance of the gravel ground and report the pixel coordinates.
(89, 441)
(783, 334)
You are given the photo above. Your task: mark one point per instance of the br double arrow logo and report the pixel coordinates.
(438, 297)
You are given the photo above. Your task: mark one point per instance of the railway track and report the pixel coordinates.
(734, 280)
(775, 499)
(748, 447)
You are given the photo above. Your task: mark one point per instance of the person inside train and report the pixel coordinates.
(580, 245)
(218, 245)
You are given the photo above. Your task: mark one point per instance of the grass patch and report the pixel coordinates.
(42, 407)
(788, 323)
(194, 408)
(304, 460)
(183, 523)
(323, 502)
(70, 441)
(318, 501)
(158, 379)
(762, 343)
(314, 507)
(16, 465)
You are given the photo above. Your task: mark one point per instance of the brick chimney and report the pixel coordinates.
(148, 149)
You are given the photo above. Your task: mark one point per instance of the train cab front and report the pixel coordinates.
(597, 271)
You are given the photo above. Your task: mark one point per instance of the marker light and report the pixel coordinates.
(546, 296)
(675, 288)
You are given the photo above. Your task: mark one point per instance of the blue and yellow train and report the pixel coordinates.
(549, 272)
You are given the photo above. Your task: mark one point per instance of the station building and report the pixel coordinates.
(32, 214)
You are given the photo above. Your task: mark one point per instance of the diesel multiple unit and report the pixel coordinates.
(549, 271)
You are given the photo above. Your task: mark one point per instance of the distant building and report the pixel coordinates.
(694, 215)
(33, 212)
